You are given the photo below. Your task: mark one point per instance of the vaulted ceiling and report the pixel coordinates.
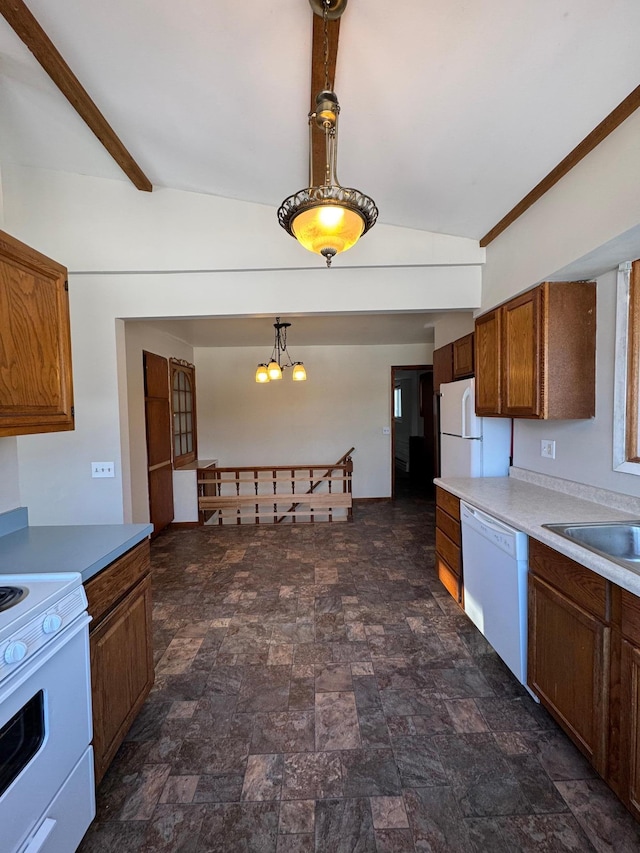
(451, 110)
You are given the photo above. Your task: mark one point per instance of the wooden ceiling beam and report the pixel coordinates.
(29, 30)
(606, 126)
(318, 83)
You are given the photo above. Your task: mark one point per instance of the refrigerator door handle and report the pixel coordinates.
(464, 404)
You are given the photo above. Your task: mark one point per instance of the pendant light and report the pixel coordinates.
(327, 218)
(280, 359)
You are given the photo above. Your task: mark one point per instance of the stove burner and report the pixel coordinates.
(10, 595)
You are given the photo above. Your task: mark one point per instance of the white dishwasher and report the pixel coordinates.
(494, 559)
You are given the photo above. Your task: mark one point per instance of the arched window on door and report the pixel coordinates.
(183, 410)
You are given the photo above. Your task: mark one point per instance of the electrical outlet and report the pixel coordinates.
(102, 469)
(386, 430)
(548, 448)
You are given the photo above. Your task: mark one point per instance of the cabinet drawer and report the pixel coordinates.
(109, 586)
(448, 550)
(448, 502)
(448, 525)
(630, 616)
(583, 586)
(449, 579)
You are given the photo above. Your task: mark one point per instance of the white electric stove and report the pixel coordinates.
(47, 794)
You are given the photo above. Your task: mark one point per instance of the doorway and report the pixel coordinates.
(412, 431)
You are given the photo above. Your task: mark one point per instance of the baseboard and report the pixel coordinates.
(370, 500)
(177, 525)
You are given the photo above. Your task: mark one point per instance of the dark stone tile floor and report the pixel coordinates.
(318, 690)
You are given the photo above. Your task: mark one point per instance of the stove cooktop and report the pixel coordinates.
(41, 592)
(10, 596)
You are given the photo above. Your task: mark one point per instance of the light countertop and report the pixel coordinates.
(75, 548)
(526, 506)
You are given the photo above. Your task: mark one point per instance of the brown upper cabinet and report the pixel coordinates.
(36, 391)
(535, 355)
(463, 357)
(453, 361)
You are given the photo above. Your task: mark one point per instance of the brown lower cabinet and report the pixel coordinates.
(121, 649)
(584, 664)
(449, 542)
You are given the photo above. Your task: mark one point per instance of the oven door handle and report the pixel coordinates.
(38, 840)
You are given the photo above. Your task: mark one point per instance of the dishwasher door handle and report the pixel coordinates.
(487, 520)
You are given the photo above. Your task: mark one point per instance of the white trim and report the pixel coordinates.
(620, 462)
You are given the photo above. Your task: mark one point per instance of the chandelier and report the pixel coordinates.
(280, 358)
(327, 218)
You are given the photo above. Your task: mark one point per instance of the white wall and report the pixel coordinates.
(9, 482)
(596, 202)
(345, 402)
(583, 448)
(176, 254)
(93, 224)
(578, 222)
(452, 326)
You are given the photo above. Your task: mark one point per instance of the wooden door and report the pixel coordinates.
(568, 667)
(487, 363)
(158, 424)
(442, 366)
(522, 356)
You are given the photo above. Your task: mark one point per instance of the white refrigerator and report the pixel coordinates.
(471, 446)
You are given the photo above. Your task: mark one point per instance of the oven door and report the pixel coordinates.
(45, 728)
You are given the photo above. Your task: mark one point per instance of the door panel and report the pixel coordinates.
(158, 424)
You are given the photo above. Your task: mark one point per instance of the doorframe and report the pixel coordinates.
(394, 367)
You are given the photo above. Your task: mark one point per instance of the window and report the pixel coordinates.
(626, 421)
(633, 366)
(183, 405)
(397, 403)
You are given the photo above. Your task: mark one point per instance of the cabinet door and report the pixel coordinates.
(487, 363)
(463, 357)
(36, 393)
(568, 667)
(522, 374)
(442, 366)
(630, 726)
(121, 671)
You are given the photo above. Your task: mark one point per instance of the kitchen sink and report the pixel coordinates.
(617, 540)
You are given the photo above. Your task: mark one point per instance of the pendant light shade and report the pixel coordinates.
(299, 373)
(262, 374)
(328, 226)
(327, 218)
(274, 370)
(280, 359)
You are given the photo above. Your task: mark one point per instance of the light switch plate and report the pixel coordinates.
(102, 469)
(548, 448)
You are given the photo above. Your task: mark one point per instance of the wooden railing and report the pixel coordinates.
(276, 493)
